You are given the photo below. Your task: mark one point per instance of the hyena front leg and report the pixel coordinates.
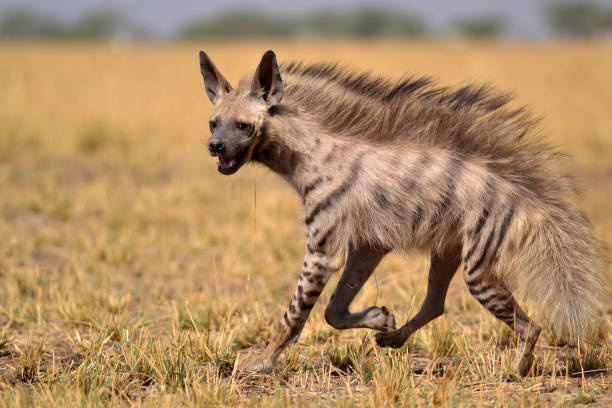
(316, 270)
(360, 264)
(441, 271)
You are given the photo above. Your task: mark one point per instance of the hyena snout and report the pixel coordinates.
(232, 153)
(216, 146)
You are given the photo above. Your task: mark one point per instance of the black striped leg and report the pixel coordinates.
(315, 274)
(360, 264)
(498, 300)
(441, 271)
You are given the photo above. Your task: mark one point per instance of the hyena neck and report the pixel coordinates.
(289, 148)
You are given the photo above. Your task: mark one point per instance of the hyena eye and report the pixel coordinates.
(212, 124)
(242, 125)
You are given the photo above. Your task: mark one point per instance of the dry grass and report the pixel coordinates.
(133, 274)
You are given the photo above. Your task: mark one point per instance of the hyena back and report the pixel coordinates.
(382, 166)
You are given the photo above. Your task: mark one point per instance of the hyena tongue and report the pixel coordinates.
(226, 162)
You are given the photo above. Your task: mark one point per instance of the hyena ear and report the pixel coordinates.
(216, 85)
(267, 82)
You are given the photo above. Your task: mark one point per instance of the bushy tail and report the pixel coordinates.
(558, 266)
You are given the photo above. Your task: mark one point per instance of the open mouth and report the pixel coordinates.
(229, 164)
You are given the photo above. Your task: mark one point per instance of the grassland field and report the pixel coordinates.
(133, 274)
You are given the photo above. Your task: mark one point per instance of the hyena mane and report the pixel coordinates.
(472, 121)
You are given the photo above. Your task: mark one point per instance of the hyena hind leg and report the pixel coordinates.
(360, 264)
(498, 300)
(441, 272)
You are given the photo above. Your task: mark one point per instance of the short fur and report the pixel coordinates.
(382, 165)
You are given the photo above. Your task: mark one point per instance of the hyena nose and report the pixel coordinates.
(216, 146)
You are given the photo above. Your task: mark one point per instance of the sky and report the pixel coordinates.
(163, 17)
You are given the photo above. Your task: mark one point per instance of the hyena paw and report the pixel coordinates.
(389, 320)
(380, 318)
(393, 340)
(259, 364)
(523, 363)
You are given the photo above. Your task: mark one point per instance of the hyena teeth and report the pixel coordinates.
(408, 165)
(226, 162)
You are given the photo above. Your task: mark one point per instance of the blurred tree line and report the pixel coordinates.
(580, 19)
(26, 23)
(574, 18)
(361, 23)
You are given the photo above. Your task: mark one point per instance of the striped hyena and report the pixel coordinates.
(383, 165)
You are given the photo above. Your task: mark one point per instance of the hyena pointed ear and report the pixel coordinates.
(216, 85)
(267, 82)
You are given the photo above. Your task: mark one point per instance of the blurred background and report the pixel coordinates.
(131, 270)
(188, 19)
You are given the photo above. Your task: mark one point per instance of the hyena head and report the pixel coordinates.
(238, 116)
